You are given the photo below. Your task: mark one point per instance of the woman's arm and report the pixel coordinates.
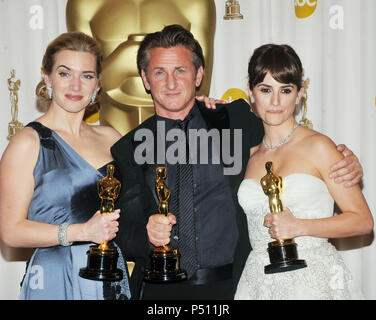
(355, 219)
(16, 191)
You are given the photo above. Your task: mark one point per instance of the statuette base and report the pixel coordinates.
(283, 257)
(165, 266)
(13, 128)
(101, 265)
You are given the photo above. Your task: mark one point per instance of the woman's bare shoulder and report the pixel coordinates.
(22, 150)
(24, 141)
(321, 151)
(318, 142)
(254, 150)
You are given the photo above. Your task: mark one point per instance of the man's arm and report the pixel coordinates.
(348, 170)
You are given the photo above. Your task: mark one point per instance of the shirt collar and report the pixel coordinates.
(172, 123)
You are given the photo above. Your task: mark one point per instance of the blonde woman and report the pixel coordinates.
(48, 177)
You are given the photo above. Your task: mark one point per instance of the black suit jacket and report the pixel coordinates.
(137, 199)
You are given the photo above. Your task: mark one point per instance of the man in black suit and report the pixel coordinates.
(171, 65)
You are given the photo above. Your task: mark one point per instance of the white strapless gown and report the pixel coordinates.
(326, 275)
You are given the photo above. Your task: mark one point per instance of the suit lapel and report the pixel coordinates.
(149, 168)
(219, 119)
(214, 119)
(149, 174)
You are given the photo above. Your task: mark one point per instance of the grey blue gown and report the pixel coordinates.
(65, 191)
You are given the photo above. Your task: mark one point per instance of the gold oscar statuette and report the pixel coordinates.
(283, 254)
(120, 26)
(232, 10)
(102, 259)
(13, 85)
(164, 260)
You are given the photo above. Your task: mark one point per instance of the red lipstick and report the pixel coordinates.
(74, 97)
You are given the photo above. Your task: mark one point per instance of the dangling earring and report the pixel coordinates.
(92, 100)
(252, 100)
(49, 92)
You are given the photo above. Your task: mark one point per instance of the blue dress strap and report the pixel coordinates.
(45, 134)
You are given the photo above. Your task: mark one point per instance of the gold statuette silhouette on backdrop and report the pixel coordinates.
(164, 260)
(304, 121)
(13, 85)
(102, 259)
(283, 253)
(120, 26)
(232, 10)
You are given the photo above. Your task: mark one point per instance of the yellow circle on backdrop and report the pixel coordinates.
(305, 8)
(93, 118)
(234, 94)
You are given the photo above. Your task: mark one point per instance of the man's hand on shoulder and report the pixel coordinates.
(348, 170)
(210, 103)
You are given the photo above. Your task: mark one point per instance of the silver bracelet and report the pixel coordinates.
(62, 235)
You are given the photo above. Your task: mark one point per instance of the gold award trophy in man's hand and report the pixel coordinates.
(102, 259)
(283, 254)
(164, 261)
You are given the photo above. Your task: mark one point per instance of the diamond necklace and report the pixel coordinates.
(282, 142)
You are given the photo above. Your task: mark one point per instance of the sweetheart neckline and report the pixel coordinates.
(289, 175)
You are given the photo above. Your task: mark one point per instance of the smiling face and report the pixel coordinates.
(73, 79)
(172, 80)
(274, 102)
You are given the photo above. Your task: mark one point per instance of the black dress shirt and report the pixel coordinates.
(214, 210)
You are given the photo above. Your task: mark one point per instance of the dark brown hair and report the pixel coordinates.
(171, 36)
(281, 61)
